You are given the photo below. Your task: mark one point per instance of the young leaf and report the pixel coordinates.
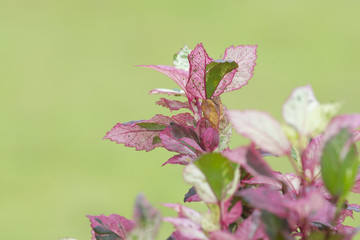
(170, 92)
(209, 139)
(143, 135)
(339, 163)
(219, 75)
(181, 59)
(173, 104)
(147, 219)
(261, 128)
(214, 177)
(185, 212)
(351, 122)
(245, 57)
(113, 227)
(230, 212)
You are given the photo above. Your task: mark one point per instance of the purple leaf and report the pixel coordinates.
(143, 135)
(173, 92)
(192, 196)
(114, 226)
(198, 60)
(261, 128)
(181, 139)
(181, 159)
(251, 228)
(245, 57)
(178, 75)
(351, 122)
(354, 207)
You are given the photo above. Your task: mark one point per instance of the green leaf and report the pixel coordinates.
(275, 227)
(181, 59)
(339, 164)
(151, 126)
(221, 174)
(215, 71)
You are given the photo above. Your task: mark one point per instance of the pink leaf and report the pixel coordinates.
(178, 75)
(143, 135)
(198, 60)
(222, 235)
(169, 92)
(265, 198)
(113, 225)
(209, 139)
(251, 160)
(181, 139)
(351, 122)
(173, 104)
(245, 57)
(261, 128)
(185, 212)
(185, 119)
(230, 215)
(310, 157)
(356, 187)
(181, 159)
(355, 136)
(187, 228)
(251, 228)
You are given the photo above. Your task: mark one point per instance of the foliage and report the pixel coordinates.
(246, 199)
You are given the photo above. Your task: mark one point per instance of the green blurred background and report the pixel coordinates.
(67, 76)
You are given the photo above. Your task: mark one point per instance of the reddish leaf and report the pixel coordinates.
(261, 128)
(251, 228)
(245, 57)
(138, 134)
(198, 60)
(173, 104)
(209, 139)
(178, 75)
(114, 226)
(185, 119)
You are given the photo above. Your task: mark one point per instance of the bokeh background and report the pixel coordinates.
(67, 76)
